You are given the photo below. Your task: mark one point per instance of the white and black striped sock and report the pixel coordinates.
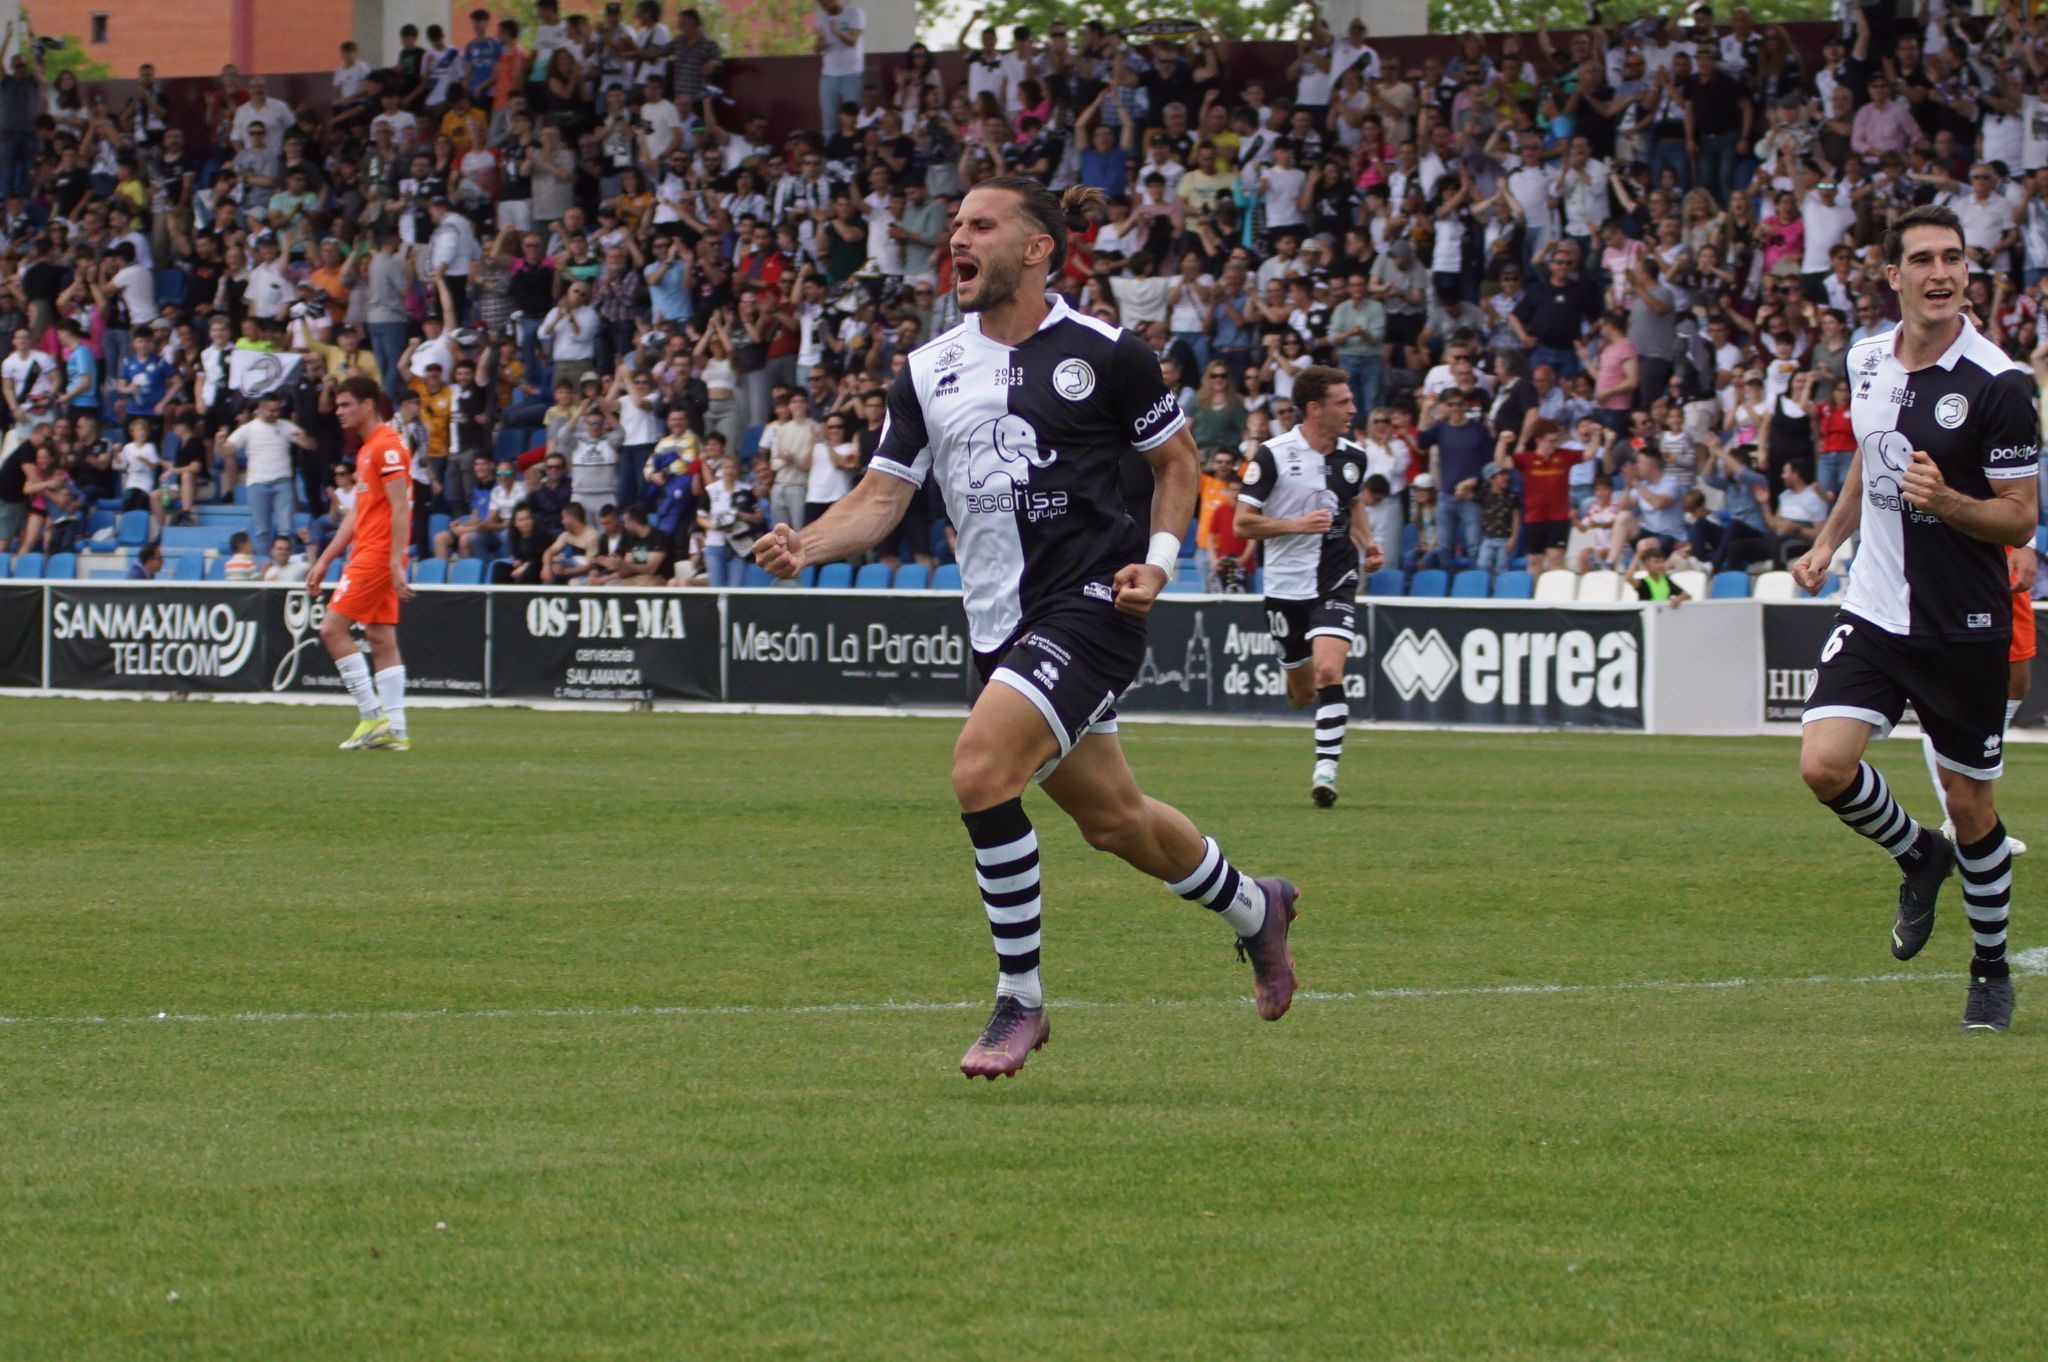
(1006, 870)
(1868, 807)
(1216, 884)
(1333, 712)
(1987, 898)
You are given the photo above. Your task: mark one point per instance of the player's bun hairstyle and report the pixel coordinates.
(361, 387)
(1926, 215)
(1057, 215)
(1313, 384)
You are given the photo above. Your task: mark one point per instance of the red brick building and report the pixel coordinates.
(198, 37)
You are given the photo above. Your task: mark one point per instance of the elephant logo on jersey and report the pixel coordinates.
(1888, 448)
(1951, 411)
(1006, 447)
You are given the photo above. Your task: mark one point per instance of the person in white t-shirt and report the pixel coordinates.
(843, 52)
(1828, 219)
(835, 460)
(28, 379)
(141, 467)
(266, 442)
(1281, 184)
(350, 75)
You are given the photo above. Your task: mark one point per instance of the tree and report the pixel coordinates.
(743, 28)
(1247, 21)
(69, 57)
(1521, 16)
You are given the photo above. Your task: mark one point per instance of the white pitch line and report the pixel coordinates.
(2031, 961)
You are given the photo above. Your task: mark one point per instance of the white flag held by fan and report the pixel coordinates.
(252, 373)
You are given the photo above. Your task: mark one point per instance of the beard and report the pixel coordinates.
(998, 284)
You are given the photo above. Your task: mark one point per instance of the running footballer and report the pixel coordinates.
(1301, 497)
(1024, 413)
(373, 584)
(1942, 479)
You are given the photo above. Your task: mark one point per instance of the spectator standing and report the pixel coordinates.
(842, 51)
(834, 462)
(266, 441)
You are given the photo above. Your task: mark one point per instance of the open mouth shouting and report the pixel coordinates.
(1939, 295)
(965, 271)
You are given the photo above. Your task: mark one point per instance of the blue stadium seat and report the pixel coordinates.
(435, 524)
(872, 577)
(1471, 584)
(466, 572)
(170, 287)
(2041, 539)
(6, 566)
(1188, 572)
(217, 570)
(131, 531)
(227, 518)
(28, 567)
(946, 577)
(835, 576)
(334, 571)
(1519, 563)
(432, 572)
(1182, 589)
(61, 567)
(808, 577)
(756, 575)
(750, 442)
(1514, 586)
(912, 577)
(1729, 586)
(1258, 582)
(510, 443)
(1431, 582)
(1385, 582)
(1410, 537)
(197, 537)
(102, 518)
(188, 567)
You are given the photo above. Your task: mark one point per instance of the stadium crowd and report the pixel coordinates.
(1589, 289)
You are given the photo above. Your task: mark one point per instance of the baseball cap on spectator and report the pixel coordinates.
(1423, 482)
(1753, 376)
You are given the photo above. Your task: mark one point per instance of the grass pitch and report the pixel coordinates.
(566, 1036)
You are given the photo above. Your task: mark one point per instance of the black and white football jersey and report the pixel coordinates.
(1287, 478)
(1972, 411)
(1027, 444)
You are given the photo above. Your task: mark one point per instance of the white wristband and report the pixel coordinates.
(1164, 553)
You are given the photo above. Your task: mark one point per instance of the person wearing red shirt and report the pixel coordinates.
(1834, 439)
(1546, 497)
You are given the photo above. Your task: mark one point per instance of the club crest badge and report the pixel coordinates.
(1073, 379)
(1951, 411)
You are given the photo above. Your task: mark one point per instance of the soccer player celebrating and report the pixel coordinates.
(1299, 494)
(374, 582)
(1025, 411)
(1944, 471)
